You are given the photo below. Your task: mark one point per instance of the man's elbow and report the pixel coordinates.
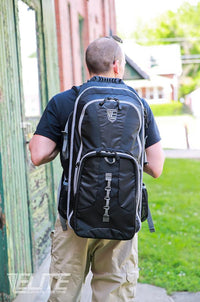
(36, 161)
(156, 173)
(36, 158)
(155, 165)
(158, 169)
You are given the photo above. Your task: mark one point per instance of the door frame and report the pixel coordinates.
(37, 6)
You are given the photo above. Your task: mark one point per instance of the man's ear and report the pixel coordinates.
(116, 67)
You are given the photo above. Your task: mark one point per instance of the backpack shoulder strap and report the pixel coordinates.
(76, 89)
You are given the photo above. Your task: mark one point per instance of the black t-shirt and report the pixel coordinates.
(55, 116)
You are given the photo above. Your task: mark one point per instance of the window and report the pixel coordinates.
(29, 59)
(160, 93)
(144, 92)
(81, 38)
(71, 44)
(151, 93)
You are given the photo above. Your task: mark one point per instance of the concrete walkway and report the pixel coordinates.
(147, 293)
(150, 293)
(179, 132)
(182, 153)
(38, 291)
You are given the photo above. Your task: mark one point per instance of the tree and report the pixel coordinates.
(181, 27)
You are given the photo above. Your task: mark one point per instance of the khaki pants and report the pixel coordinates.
(113, 264)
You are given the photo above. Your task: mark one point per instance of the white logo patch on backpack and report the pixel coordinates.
(112, 115)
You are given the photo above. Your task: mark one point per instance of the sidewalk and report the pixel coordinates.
(177, 132)
(147, 293)
(182, 153)
(39, 292)
(150, 293)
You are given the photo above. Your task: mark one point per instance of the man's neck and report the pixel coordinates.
(105, 75)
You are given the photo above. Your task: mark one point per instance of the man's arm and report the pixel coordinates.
(43, 150)
(155, 159)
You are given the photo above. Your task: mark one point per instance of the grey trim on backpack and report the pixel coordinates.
(69, 215)
(69, 151)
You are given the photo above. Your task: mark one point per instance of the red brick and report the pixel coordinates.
(99, 20)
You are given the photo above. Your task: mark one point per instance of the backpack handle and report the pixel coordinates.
(109, 99)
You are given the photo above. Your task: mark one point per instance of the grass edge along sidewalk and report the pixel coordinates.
(170, 109)
(169, 258)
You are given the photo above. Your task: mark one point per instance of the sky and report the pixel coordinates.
(130, 11)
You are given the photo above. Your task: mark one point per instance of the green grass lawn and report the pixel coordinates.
(170, 257)
(170, 109)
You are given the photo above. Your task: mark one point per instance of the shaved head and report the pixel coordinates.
(101, 54)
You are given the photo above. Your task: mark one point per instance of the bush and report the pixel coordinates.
(170, 109)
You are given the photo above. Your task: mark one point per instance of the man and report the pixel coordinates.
(113, 263)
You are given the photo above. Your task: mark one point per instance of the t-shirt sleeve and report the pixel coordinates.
(151, 131)
(49, 125)
(55, 116)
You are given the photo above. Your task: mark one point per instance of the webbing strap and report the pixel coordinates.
(63, 223)
(150, 222)
(108, 178)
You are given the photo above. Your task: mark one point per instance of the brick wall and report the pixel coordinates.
(78, 23)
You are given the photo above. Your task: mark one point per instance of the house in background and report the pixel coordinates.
(155, 90)
(193, 101)
(162, 63)
(133, 71)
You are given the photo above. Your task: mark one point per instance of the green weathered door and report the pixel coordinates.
(28, 78)
(34, 93)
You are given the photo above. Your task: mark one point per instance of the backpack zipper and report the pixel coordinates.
(108, 154)
(82, 116)
(72, 135)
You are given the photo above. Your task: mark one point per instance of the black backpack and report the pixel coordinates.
(103, 157)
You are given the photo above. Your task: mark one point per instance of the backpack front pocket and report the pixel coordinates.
(106, 188)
